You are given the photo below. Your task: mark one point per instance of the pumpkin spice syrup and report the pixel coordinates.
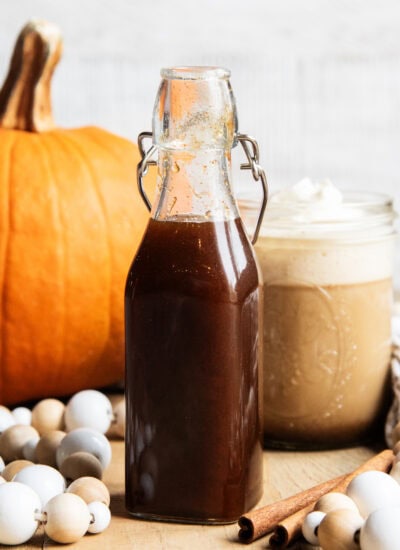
(193, 319)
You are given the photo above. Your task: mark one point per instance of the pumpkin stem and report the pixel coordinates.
(25, 96)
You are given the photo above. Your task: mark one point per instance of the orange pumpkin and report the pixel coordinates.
(71, 220)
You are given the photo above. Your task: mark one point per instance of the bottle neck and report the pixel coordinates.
(194, 186)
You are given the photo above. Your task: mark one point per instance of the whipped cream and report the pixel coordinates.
(314, 233)
(314, 201)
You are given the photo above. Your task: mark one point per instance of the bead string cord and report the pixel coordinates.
(40, 516)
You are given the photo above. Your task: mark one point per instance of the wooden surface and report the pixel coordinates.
(285, 473)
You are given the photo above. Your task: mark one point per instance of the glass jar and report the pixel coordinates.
(327, 316)
(192, 310)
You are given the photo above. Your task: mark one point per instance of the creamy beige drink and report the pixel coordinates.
(327, 307)
(326, 343)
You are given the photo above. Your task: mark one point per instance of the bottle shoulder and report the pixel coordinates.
(191, 257)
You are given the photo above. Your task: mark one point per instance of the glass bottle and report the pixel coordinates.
(193, 314)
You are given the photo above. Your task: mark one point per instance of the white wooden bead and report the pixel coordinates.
(13, 439)
(310, 526)
(18, 504)
(22, 415)
(29, 449)
(46, 481)
(87, 440)
(101, 517)
(6, 418)
(48, 415)
(90, 489)
(2, 464)
(381, 530)
(372, 490)
(68, 518)
(88, 409)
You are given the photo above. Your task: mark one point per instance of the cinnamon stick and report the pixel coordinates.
(289, 529)
(259, 522)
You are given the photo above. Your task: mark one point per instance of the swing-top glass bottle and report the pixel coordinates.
(193, 321)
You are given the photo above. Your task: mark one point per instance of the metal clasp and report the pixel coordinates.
(250, 147)
(143, 166)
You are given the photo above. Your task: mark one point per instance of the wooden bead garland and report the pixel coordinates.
(335, 501)
(381, 531)
(83, 507)
(90, 489)
(101, 517)
(367, 518)
(86, 440)
(81, 464)
(14, 467)
(29, 449)
(47, 482)
(89, 409)
(68, 518)
(13, 439)
(6, 418)
(18, 504)
(311, 525)
(22, 415)
(47, 447)
(339, 530)
(48, 415)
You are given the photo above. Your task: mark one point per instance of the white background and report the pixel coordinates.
(316, 81)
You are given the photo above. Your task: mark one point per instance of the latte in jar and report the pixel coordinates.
(326, 260)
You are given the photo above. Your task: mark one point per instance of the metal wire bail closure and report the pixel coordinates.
(251, 150)
(143, 166)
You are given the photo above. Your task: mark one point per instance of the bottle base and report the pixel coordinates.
(332, 444)
(177, 519)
